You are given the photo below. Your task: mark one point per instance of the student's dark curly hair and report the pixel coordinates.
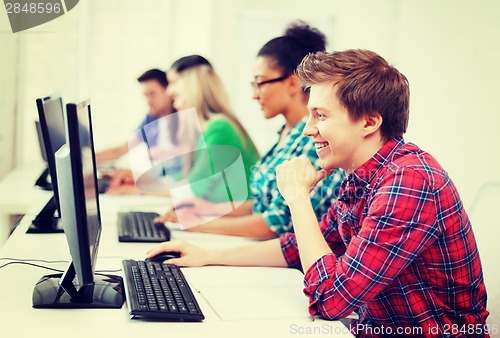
(287, 51)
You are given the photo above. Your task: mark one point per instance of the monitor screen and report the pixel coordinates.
(51, 123)
(51, 136)
(80, 213)
(52, 130)
(42, 181)
(43, 152)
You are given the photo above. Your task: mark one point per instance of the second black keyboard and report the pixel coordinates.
(159, 290)
(138, 226)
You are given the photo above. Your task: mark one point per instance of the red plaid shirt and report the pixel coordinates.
(403, 253)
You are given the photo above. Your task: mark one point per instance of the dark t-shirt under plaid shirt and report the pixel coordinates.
(403, 251)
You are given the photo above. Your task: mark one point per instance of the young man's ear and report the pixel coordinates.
(372, 123)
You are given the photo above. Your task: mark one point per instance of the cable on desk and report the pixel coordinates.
(110, 257)
(26, 262)
(30, 260)
(32, 264)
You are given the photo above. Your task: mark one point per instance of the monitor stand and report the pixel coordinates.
(45, 222)
(58, 291)
(42, 181)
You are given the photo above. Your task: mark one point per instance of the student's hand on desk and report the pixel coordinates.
(189, 219)
(186, 217)
(121, 177)
(190, 255)
(297, 177)
(201, 206)
(185, 213)
(170, 216)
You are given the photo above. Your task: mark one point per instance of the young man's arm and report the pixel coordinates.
(296, 178)
(267, 253)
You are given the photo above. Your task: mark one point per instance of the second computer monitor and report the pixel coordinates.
(52, 130)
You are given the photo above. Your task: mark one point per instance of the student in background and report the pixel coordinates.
(196, 85)
(279, 92)
(397, 246)
(154, 86)
(122, 181)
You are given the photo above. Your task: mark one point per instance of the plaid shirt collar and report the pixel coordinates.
(359, 180)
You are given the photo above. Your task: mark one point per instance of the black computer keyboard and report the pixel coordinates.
(138, 226)
(157, 290)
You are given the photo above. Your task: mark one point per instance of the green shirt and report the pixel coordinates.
(222, 164)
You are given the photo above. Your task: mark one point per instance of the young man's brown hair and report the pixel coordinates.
(365, 84)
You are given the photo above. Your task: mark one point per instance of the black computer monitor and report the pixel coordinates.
(42, 181)
(79, 286)
(52, 130)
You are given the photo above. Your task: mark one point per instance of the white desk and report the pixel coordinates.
(19, 319)
(18, 194)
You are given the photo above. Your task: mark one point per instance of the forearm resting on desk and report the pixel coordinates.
(267, 253)
(202, 206)
(244, 209)
(252, 226)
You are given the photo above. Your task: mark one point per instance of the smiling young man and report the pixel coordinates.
(397, 246)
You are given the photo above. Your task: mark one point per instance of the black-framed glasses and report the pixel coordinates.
(257, 85)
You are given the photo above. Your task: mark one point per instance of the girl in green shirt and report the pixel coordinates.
(220, 160)
(217, 152)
